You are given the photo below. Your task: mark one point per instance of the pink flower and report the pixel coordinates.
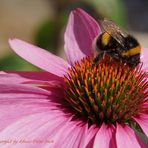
(71, 105)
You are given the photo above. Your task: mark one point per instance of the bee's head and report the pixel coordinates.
(130, 42)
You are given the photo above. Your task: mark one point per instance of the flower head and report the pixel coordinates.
(110, 92)
(73, 104)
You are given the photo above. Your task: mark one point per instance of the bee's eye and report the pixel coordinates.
(131, 42)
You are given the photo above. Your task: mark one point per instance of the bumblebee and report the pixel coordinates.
(118, 44)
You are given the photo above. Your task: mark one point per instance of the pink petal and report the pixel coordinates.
(79, 35)
(36, 127)
(69, 138)
(126, 138)
(73, 134)
(27, 95)
(11, 113)
(21, 89)
(85, 138)
(30, 78)
(39, 57)
(14, 94)
(6, 78)
(144, 58)
(142, 120)
(2, 72)
(18, 100)
(91, 136)
(22, 101)
(105, 137)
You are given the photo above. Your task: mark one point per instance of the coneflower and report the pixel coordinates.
(73, 104)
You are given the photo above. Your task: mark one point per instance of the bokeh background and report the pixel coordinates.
(42, 22)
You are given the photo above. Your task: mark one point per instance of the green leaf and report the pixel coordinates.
(13, 62)
(110, 9)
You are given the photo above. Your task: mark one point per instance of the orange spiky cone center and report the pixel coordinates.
(109, 92)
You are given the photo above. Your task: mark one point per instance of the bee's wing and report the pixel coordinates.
(112, 29)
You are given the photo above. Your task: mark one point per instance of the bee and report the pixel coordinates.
(117, 44)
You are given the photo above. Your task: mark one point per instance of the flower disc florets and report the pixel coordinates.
(109, 92)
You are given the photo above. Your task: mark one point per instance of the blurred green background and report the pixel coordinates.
(42, 22)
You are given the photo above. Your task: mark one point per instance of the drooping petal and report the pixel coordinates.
(142, 120)
(79, 35)
(17, 101)
(86, 137)
(6, 78)
(68, 138)
(39, 57)
(105, 137)
(126, 138)
(30, 78)
(91, 136)
(71, 137)
(20, 92)
(38, 129)
(16, 94)
(144, 58)
(12, 113)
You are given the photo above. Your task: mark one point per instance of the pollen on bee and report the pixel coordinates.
(105, 38)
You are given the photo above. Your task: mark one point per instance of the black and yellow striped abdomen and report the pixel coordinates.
(132, 47)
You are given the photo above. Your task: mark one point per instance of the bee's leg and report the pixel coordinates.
(115, 55)
(140, 66)
(97, 59)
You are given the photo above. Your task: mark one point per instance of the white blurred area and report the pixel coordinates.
(142, 38)
(21, 19)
